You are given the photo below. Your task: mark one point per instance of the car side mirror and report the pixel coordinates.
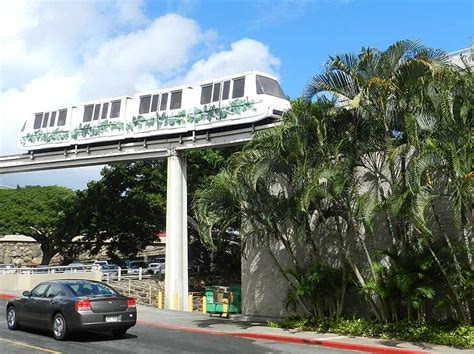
(26, 293)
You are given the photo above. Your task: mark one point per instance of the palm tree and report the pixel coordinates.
(317, 183)
(397, 92)
(286, 188)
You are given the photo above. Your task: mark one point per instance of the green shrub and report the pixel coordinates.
(451, 335)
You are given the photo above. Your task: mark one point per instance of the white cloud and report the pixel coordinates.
(43, 93)
(59, 53)
(125, 63)
(245, 54)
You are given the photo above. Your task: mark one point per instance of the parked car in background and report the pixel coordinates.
(156, 268)
(42, 268)
(66, 306)
(100, 263)
(97, 265)
(110, 269)
(75, 267)
(134, 267)
(7, 268)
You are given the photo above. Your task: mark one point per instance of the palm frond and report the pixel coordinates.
(343, 62)
(336, 81)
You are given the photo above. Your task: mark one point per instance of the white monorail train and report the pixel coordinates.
(244, 98)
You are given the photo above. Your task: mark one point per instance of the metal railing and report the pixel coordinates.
(139, 274)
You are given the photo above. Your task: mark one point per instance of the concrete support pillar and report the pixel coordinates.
(176, 272)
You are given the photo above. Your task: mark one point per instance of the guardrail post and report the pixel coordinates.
(159, 300)
(190, 302)
(140, 273)
(225, 308)
(204, 303)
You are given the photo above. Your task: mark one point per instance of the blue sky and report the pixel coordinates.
(302, 34)
(65, 52)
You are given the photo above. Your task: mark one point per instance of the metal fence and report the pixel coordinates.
(116, 274)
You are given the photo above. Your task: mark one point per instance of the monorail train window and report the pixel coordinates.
(154, 103)
(176, 99)
(206, 93)
(45, 120)
(96, 111)
(62, 117)
(216, 92)
(164, 102)
(144, 104)
(88, 113)
(238, 90)
(225, 91)
(115, 111)
(53, 119)
(268, 86)
(105, 110)
(38, 120)
(24, 126)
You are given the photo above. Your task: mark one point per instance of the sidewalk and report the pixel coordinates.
(198, 322)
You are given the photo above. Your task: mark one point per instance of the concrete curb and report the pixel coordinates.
(278, 338)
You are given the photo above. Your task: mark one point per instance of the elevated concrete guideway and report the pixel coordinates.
(75, 156)
(176, 277)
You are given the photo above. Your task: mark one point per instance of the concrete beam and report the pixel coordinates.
(147, 149)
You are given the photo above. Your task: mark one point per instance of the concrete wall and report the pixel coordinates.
(264, 287)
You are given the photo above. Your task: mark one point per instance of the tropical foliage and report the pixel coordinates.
(372, 188)
(129, 203)
(455, 335)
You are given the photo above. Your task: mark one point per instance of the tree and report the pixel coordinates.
(125, 209)
(400, 92)
(286, 188)
(404, 141)
(127, 206)
(43, 213)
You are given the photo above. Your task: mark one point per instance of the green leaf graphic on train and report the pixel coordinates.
(42, 136)
(209, 113)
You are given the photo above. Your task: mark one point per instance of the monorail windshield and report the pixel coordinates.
(268, 86)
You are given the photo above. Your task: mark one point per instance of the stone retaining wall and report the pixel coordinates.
(20, 253)
(28, 253)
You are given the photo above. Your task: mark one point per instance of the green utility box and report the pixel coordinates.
(217, 295)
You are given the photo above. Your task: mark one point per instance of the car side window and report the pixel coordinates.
(39, 290)
(53, 291)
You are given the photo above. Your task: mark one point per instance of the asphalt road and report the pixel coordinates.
(141, 339)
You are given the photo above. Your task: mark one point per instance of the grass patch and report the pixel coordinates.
(461, 336)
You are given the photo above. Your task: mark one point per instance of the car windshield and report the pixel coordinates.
(138, 265)
(109, 267)
(89, 289)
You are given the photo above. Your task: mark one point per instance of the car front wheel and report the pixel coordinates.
(59, 327)
(12, 319)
